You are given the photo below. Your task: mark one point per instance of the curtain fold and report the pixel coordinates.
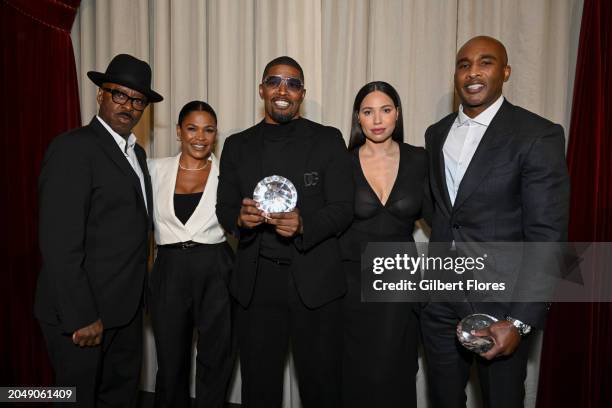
(39, 100)
(576, 365)
(215, 50)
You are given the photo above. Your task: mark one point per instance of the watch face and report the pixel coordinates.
(522, 328)
(275, 194)
(477, 321)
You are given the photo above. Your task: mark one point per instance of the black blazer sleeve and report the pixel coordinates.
(228, 190)
(545, 210)
(64, 199)
(229, 195)
(545, 188)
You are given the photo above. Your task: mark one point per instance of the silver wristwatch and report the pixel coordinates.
(522, 328)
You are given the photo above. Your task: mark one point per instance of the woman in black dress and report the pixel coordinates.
(391, 193)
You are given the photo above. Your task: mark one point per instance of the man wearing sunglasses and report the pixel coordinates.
(95, 206)
(288, 277)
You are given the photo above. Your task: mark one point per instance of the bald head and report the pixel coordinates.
(481, 68)
(490, 42)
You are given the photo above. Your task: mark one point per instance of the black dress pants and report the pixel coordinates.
(275, 319)
(448, 364)
(380, 359)
(188, 289)
(107, 375)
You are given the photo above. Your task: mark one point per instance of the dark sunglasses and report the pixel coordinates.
(121, 99)
(292, 84)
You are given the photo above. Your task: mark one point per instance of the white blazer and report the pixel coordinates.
(202, 226)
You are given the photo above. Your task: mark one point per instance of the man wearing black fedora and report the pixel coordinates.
(95, 219)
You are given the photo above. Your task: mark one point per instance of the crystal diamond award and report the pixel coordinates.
(477, 321)
(275, 194)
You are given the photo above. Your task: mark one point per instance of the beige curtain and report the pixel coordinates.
(215, 50)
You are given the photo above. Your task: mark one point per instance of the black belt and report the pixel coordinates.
(182, 245)
(277, 261)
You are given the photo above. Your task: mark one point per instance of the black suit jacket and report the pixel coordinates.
(516, 188)
(321, 173)
(94, 231)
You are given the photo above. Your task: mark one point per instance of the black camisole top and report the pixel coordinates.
(185, 205)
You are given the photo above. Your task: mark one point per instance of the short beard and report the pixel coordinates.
(282, 117)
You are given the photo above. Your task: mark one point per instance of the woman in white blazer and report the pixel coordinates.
(188, 284)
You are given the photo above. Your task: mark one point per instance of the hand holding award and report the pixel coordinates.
(276, 197)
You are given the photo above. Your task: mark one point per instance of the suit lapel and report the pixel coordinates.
(202, 212)
(438, 157)
(299, 150)
(112, 150)
(142, 161)
(166, 173)
(253, 154)
(483, 160)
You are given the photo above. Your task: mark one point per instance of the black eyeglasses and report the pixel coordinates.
(292, 84)
(120, 98)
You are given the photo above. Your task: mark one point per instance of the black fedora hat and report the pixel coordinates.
(130, 72)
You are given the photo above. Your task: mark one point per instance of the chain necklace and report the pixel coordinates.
(199, 168)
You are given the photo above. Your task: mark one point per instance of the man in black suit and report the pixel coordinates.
(497, 174)
(288, 277)
(95, 205)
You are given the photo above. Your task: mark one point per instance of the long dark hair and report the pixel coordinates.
(357, 136)
(195, 106)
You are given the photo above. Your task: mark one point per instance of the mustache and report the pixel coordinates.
(126, 114)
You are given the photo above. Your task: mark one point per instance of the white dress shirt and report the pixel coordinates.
(127, 148)
(461, 144)
(202, 226)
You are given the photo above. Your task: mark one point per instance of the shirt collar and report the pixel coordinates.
(485, 116)
(121, 142)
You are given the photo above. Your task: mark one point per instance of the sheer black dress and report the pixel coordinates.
(380, 356)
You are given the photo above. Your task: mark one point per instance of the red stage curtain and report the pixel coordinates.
(576, 369)
(39, 99)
